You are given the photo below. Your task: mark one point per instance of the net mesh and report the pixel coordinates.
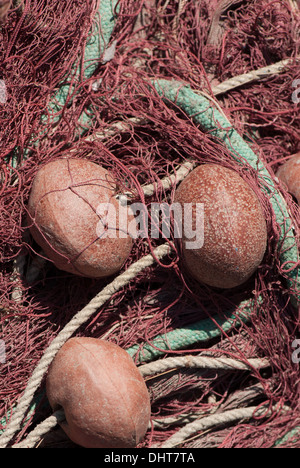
(116, 119)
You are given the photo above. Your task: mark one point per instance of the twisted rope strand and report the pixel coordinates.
(200, 362)
(41, 429)
(167, 182)
(215, 420)
(254, 75)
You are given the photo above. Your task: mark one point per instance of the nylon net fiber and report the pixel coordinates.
(57, 102)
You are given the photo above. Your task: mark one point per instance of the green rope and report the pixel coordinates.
(102, 29)
(200, 332)
(286, 437)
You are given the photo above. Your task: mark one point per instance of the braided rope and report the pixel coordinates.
(181, 6)
(167, 182)
(177, 420)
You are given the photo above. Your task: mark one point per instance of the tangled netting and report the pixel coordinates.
(114, 116)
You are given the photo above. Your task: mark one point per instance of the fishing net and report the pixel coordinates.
(150, 90)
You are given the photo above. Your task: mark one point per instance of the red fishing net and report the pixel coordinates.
(142, 139)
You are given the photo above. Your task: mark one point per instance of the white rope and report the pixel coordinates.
(181, 6)
(167, 182)
(41, 429)
(113, 129)
(208, 422)
(200, 362)
(181, 419)
(215, 420)
(254, 75)
(79, 319)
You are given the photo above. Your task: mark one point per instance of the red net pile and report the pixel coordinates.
(200, 43)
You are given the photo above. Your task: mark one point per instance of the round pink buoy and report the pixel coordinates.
(235, 231)
(289, 174)
(73, 216)
(103, 395)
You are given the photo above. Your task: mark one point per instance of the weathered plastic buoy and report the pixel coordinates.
(73, 216)
(289, 174)
(235, 231)
(103, 395)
